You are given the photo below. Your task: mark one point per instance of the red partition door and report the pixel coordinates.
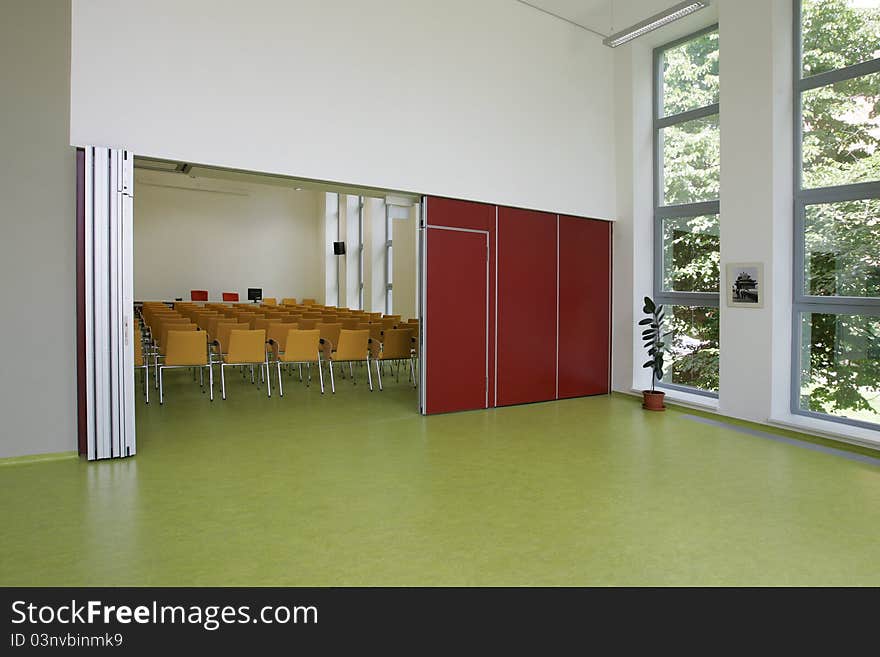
(526, 298)
(584, 306)
(455, 356)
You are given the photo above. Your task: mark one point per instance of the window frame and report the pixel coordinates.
(803, 303)
(682, 210)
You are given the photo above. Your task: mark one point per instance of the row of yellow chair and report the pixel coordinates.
(198, 336)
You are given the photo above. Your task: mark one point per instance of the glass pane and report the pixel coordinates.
(842, 249)
(693, 344)
(691, 254)
(690, 161)
(690, 75)
(841, 124)
(838, 33)
(840, 365)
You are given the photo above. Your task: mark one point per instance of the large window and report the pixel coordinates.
(837, 211)
(686, 205)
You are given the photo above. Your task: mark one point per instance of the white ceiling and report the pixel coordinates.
(605, 16)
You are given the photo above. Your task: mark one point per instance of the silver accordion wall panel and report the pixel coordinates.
(109, 312)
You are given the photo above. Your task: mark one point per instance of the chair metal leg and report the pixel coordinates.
(147, 384)
(332, 382)
(280, 385)
(161, 391)
(211, 380)
(308, 374)
(202, 378)
(156, 367)
(369, 376)
(252, 375)
(268, 382)
(320, 373)
(412, 371)
(222, 382)
(378, 374)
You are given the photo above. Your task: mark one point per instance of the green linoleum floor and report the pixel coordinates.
(358, 489)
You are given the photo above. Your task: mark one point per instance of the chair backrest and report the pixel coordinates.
(160, 329)
(308, 302)
(397, 344)
(138, 351)
(264, 323)
(375, 332)
(353, 345)
(246, 347)
(187, 348)
(198, 295)
(223, 331)
(312, 316)
(330, 332)
(288, 301)
(230, 296)
(302, 346)
(307, 324)
(169, 328)
(351, 323)
(277, 333)
(213, 324)
(270, 301)
(389, 323)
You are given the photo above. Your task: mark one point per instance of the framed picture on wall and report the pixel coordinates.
(745, 285)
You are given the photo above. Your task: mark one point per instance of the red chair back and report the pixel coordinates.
(230, 296)
(198, 295)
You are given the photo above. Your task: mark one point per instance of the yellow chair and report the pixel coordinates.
(160, 341)
(246, 348)
(186, 349)
(353, 347)
(351, 323)
(288, 301)
(265, 323)
(270, 301)
(220, 341)
(276, 336)
(330, 333)
(301, 348)
(308, 302)
(307, 324)
(141, 363)
(397, 345)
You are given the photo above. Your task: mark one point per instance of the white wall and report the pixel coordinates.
(224, 236)
(486, 100)
(38, 246)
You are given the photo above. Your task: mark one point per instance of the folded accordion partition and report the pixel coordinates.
(105, 332)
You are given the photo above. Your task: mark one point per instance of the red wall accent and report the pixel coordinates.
(584, 303)
(455, 323)
(526, 306)
(460, 214)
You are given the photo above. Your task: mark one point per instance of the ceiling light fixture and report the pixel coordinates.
(658, 20)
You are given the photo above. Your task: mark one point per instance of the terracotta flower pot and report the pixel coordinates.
(653, 400)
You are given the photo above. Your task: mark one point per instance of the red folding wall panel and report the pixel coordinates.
(526, 297)
(456, 352)
(549, 337)
(584, 305)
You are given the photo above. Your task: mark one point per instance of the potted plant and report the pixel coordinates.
(653, 337)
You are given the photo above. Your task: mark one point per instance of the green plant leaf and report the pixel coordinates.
(646, 321)
(649, 305)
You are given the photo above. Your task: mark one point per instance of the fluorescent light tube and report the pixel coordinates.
(658, 20)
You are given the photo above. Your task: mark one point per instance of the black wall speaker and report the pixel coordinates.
(338, 248)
